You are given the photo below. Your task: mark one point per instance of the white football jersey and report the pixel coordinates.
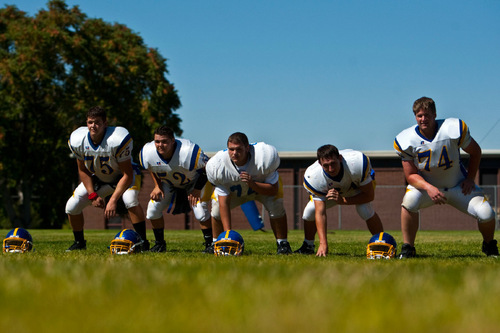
(438, 160)
(102, 159)
(357, 172)
(262, 166)
(181, 170)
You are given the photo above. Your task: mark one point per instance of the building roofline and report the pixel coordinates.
(489, 153)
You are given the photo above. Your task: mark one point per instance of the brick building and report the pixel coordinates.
(388, 194)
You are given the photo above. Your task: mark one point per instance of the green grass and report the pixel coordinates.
(451, 287)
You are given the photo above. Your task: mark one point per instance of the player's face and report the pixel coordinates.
(97, 128)
(332, 165)
(164, 145)
(426, 121)
(238, 153)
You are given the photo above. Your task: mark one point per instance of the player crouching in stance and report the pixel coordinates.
(430, 154)
(104, 158)
(177, 167)
(245, 172)
(337, 178)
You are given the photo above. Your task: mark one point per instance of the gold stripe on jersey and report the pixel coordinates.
(463, 132)
(124, 146)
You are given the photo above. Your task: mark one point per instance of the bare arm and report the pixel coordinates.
(225, 211)
(157, 192)
(416, 180)
(261, 188)
(123, 184)
(86, 178)
(366, 195)
(320, 216)
(475, 153)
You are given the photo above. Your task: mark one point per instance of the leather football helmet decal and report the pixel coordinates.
(18, 240)
(126, 241)
(381, 246)
(229, 243)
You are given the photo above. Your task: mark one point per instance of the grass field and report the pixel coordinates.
(451, 287)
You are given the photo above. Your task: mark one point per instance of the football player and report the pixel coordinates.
(104, 158)
(337, 178)
(245, 172)
(430, 154)
(177, 167)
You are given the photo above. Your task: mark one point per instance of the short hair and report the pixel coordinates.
(424, 103)
(327, 151)
(96, 112)
(165, 131)
(238, 138)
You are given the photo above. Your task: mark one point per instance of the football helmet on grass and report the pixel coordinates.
(126, 241)
(229, 243)
(381, 246)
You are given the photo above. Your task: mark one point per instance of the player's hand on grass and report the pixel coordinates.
(322, 250)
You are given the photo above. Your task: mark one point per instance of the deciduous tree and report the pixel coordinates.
(53, 67)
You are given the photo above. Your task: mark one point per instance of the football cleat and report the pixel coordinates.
(305, 249)
(284, 248)
(18, 240)
(407, 251)
(160, 246)
(126, 241)
(77, 245)
(209, 247)
(229, 243)
(491, 248)
(381, 246)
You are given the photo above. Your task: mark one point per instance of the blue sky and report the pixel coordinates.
(300, 74)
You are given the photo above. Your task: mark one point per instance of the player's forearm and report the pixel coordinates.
(225, 212)
(320, 218)
(418, 182)
(121, 187)
(86, 179)
(359, 199)
(156, 181)
(264, 188)
(473, 166)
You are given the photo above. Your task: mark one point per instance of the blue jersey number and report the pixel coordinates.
(444, 160)
(102, 163)
(239, 190)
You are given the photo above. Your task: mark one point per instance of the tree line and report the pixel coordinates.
(54, 66)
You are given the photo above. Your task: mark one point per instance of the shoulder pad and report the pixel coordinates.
(265, 156)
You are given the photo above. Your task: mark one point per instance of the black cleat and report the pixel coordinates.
(209, 248)
(77, 245)
(305, 249)
(284, 248)
(407, 251)
(145, 246)
(490, 249)
(160, 246)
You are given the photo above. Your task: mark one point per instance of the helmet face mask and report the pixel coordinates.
(18, 240)
(381, 246)
(229, 243)
(126, 241)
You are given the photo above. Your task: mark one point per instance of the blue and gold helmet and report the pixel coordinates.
(126, 241)
(18, 240)
(229, 243)
(381, 246)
